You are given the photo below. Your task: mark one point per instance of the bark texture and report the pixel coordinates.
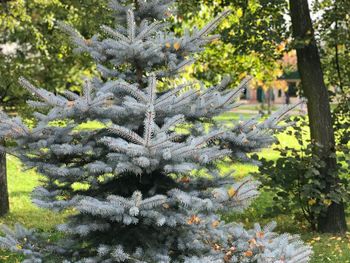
(4, 198)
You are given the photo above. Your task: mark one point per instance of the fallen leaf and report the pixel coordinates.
(231, 192)
(248, 253)
(177, 45)
(194, 220)
(260, 234)
(215, 223)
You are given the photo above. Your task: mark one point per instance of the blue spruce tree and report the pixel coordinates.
(138, 189)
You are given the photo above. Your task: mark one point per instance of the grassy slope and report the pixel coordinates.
(327, 248)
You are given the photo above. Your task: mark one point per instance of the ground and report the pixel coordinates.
(327, 248)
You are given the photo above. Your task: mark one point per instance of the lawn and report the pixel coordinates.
(327, 248)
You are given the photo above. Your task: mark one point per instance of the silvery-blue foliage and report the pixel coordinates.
(139, 189)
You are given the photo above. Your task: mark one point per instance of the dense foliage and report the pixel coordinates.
(252, 41)
(295, 181)
(333, 27)
(31, 45)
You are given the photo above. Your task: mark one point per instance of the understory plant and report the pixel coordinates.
(295, 180)
(137, 188)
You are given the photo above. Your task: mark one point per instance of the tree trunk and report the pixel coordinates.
(320, 120)
(269, 90)
(4, 199)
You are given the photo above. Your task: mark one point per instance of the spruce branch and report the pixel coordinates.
(237, 90)
(149, 30)
(149, 125)
(206, 30)
(115, 34)
(171, 93)
(127, 134)
(131, 26)
(152, 83)
(46, 96)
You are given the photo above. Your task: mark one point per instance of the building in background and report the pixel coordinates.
(283, 90)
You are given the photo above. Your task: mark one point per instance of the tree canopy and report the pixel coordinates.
(32, 46)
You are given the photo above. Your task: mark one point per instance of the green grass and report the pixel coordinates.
(327, 248)
(20, 184)
(256, 107)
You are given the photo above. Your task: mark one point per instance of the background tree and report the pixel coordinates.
(31, 45)
(251, 39)
(333, 25)
(320, 120)
(4, 199)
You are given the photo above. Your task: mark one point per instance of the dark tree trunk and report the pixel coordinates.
(320, 120)
(4, 199)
